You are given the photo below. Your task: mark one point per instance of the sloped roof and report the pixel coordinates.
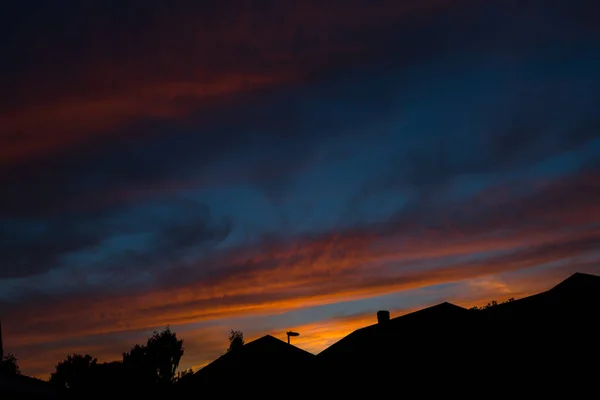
(264, 353)
(578, 283)
(261, 367)
(424, 319)
(25, 385)
(574, 294)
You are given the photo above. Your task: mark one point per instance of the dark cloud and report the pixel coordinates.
(190, 228)
(281, 130)
(567, 205)
(532, 129)
(31, 248)
(262, 144)
(37, 246)
(555, 206)
(187, 233)
(104, 77)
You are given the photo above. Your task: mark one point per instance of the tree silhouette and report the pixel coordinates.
(73, 372)
(139, 368)
(166, 351)
(236, 340)
(157, 361)
(9, 366)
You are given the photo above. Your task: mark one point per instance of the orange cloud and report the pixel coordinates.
(335, 271)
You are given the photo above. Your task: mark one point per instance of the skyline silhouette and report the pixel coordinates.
(549, 335)
(576, 297)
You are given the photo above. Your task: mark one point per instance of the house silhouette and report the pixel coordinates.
(261, 366)
(553, 334)
(375, 340)
(422, 343)
(537, 345)
(25, 387)
(542, 345)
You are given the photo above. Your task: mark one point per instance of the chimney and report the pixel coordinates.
(383, 317)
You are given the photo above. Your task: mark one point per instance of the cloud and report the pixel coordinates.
(107, 133)
(109, 83)
(499, 129)
(35, 247)
(263, 144)
(325, 268)
(50, 239)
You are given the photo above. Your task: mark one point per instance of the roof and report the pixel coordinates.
(25, 386)
(429, 342)
(261, 357)
(579, 293)
(578, 283)
(427, 319)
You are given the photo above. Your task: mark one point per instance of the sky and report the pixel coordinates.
(274, 165)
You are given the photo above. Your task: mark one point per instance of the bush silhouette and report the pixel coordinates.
(491, 304)
(9, 366)
(73, 372)
(236, 340)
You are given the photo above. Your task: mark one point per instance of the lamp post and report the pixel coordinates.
(290, 333)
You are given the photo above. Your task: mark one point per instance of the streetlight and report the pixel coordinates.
(290, 333)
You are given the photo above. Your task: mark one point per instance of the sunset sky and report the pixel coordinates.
(274, 165)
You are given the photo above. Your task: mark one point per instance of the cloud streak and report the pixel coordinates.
(336, 267)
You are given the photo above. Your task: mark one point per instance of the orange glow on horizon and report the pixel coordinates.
(314, 337)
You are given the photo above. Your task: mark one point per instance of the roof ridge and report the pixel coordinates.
(576, 279)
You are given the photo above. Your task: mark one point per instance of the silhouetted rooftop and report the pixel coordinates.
(577, 292)
(427, 318)
(261, 355)
(428, 343)
(578, 282)
(22, 385)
